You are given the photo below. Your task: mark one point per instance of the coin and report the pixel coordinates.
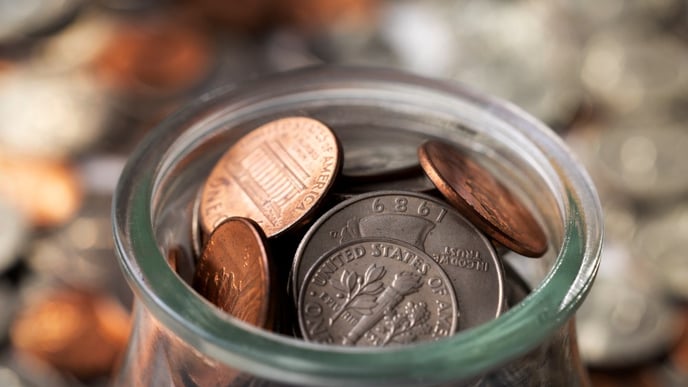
(621, 323)
(434, 227)
(47, 192)
(412, 182)
(196, 232)
(481, 198)
(661, 245)
(155, 57)
(75, 331)
(22, 19)
(276, 175)
(372, 153)
(376, 292)
(13, 233)
(644, 158)
(50, 115)
(233, 272)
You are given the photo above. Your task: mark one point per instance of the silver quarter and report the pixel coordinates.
(376, 292)
(433, 226)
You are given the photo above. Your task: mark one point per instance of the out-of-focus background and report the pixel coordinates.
(81, 82)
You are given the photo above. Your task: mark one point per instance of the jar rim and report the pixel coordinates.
(266, 354)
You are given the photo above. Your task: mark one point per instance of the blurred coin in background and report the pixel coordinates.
(662, 245)
(48, 115)
(645, 158)
(76, 331)
(46, 191)
(22, 19)
(155, 57)
(632, 67)
(14, 233)
(624, 323)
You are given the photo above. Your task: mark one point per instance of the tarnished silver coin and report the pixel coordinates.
(429, 224)
(372, 153)
(376, 292)
(415, 181)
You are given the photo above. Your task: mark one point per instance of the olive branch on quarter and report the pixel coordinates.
(358, 292)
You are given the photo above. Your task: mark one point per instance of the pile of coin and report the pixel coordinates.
(376, 264)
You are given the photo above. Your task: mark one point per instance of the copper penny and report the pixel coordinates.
(233, 272)
(276, 175)
(48, 192)
(76, 331)
(155, 58)
(481, 198)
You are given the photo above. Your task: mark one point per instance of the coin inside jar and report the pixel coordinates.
(356, 296)
(276, 175)
(432, 226)
(233, 272)
(481, 198)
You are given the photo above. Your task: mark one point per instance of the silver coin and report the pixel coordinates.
(621, 323)
(413, 182)
(644, 158)
(21, 18)
(13, 234)
(378, 153)
(376, 292)
(632, 67)
(433, 226)
(661, 244)
(49, 115)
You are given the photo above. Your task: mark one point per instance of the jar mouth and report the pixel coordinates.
(462, 356)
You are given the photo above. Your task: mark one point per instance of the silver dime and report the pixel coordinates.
(433, 226)
(376, 292)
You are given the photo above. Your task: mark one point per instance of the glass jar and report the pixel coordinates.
(182, 340)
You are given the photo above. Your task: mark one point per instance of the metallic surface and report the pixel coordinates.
(481, 198)
(623, 323)
(432, 226)
(276, 175)
(376, 292)
(372, 153)
(14, 233)
(75, 331)
(155, 58)
(233, 272)
(48, 192)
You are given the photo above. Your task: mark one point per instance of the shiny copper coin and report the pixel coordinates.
(276, 175)
(75, 331)
(234, 273)
(481, 198)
